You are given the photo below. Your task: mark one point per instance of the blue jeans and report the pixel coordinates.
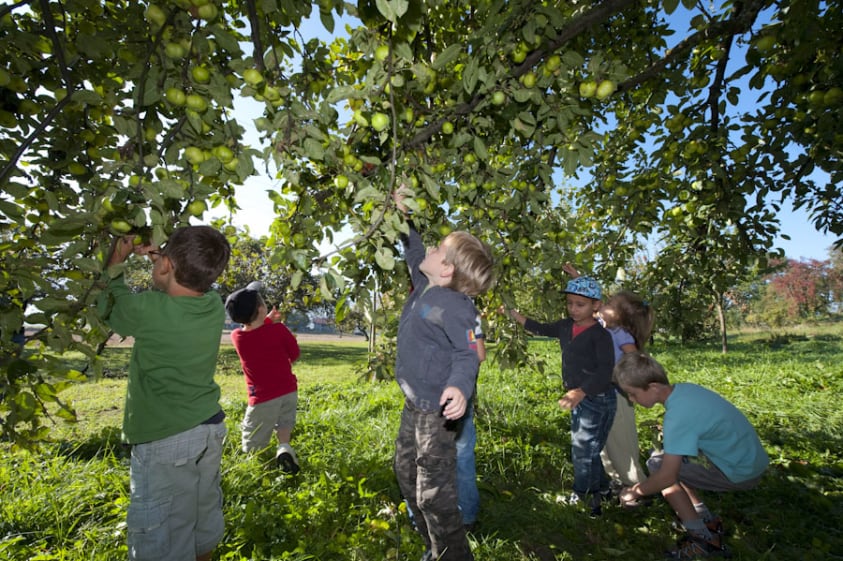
(467, 494)
(590, 424)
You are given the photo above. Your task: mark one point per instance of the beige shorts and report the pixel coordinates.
(261, 420)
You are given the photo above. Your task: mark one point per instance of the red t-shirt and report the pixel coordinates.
(267, 355)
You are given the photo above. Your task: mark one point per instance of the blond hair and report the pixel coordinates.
(472, 261)
(638, 370)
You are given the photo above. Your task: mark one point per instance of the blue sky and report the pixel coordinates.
(805, 242)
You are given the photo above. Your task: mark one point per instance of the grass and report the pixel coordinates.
(69, 501)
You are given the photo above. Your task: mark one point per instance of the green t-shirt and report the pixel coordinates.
(171, 374)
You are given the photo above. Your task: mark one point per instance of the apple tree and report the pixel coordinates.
(556, 131)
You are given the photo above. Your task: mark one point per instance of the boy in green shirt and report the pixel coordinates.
(172, 416)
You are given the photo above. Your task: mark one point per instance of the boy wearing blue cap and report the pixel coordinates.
(587, 362)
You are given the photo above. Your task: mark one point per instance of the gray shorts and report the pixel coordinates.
(699, 472)
(175, 512)
(262, 419)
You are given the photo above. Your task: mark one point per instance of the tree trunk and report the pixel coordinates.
(721, 315)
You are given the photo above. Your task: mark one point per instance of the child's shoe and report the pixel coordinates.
(285, 458)
(715, 526)
(695, 547)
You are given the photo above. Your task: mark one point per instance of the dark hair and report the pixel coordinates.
(199, 255)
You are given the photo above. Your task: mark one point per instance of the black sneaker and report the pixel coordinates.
(287, 464)
(594, 505)
(694, 547)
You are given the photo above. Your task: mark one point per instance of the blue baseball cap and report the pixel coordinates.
(584, 286)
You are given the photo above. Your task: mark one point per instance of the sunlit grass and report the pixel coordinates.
(68, 502)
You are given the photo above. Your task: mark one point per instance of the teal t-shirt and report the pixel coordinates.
(171, 374)
(698, 420)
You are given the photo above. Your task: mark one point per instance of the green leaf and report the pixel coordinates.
(670, 6)
(470, 75)
(385, 259)
(87, 97)
(324, 290)
(313, 149)
(480, 148)
(447, 56)
(327, 20)
(392, 9)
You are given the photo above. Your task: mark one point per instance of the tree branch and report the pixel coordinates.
(740, 22)
(255, 27)
(576, 27)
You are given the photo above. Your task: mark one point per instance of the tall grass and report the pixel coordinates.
(69, 501)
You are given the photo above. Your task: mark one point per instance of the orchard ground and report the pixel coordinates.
(69, 500)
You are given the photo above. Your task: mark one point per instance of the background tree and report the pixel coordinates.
(118, 117)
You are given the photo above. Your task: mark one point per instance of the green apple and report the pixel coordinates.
(341, 182)
(448, 127)
(382, 52)
(5, 77)
(223, 153)
(252, 76)
(174, 50)
(833, 97)
(156, 15)
(605, 89)
(380, 121)
(208, 12)
(201, 74)
(553, 62)
(271, 94)
(194, 155)
(498, 98)
(175, 96)
(529, 80)
(197, 103)
(588, 88)
(765, 43)
(197, 208)
(120, 226)
(75, 168)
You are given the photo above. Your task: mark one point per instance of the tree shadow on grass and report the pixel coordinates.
(106, 443)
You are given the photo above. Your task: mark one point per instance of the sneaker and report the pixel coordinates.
(715, 526)
(594, 507)
(592, 502)
(287, 464)
(693, 547)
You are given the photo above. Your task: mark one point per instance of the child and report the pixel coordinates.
(587, 361)
(267, 350)
(708, 444)
(436, 368)
(629, 319)
(467, 492)
(172, 416)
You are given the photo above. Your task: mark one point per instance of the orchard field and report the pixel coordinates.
(69, 500)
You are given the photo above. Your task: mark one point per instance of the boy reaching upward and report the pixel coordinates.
(436, 368)
(172, 416)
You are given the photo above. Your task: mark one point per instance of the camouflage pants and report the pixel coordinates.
(425, 466)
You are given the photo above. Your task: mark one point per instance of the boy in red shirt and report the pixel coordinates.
(267, 350)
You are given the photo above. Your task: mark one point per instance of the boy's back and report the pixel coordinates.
(171, 375)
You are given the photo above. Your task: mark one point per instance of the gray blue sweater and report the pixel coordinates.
(436, 342)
